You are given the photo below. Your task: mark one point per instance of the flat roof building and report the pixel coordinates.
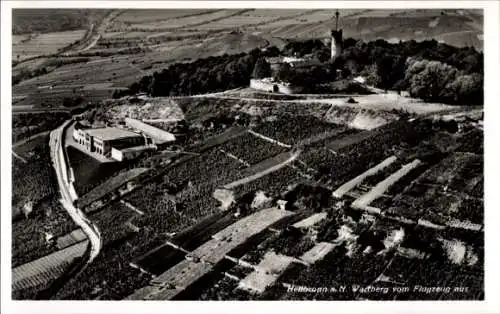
(101, 140)
(109, 134)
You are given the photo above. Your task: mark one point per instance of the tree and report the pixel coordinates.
(272, 51)
(372, 76)
(428, 79)
(390, 69)
(466, 89)
(284, 72)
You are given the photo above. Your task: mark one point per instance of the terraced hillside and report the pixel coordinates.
(353, 186)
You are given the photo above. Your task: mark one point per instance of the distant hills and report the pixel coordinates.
(455, 27)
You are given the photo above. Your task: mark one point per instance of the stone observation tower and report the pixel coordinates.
(336, 39)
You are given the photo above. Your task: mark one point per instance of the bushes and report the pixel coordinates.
(72, 101)
(57, 62)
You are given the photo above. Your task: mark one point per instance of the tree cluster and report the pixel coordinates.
(429, 70)
(201, 76)
(437, 81)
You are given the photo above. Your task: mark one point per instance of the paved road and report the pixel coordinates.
(66, 200)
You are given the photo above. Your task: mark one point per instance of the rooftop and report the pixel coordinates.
(107, 134)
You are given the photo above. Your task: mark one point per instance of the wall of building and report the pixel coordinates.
(274, 87)
(336, 48)
(121, 155)
(157, 134)
(125, 142)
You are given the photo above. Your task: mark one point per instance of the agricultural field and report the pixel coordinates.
(148, 41)
(190, 185)
(173, 19)
(28, 21)
(176, 197)
(251, 149)
(253, 18)
(26, 46)
(29, 234)
(132, 16)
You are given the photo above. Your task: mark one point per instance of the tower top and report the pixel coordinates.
(337, 19)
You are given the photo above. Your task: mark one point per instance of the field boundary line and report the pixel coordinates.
(132, 207)
(235, 157)
(364, 201)
(356, 181)
(262, 173)
(269, 139)
(19, 157)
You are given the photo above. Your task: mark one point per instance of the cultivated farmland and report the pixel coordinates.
(26, 46)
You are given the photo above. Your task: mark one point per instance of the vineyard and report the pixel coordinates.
(29, 234)
(251, 149)
(37, 275)
(188, 199)
(33, 180)
(110, 185)
(445, 191)
(291, 129)
(114, 222)
(179, 207)
(26, 125)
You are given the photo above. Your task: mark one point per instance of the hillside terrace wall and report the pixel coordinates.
(201, 261)
(157, 134)
(46, 268)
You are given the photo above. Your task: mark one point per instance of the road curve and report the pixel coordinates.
(59, 163)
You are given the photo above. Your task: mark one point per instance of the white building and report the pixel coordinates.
(131, 152)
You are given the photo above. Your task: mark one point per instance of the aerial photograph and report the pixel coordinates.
(247, 154)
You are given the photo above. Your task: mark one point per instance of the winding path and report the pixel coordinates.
(59, 163)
